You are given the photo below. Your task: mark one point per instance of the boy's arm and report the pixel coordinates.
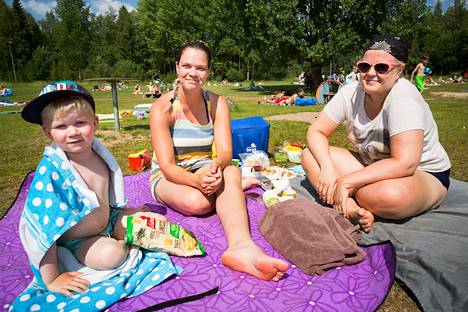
(62, 283)
(48, 266)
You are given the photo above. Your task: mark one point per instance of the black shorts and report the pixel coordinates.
(443, 177)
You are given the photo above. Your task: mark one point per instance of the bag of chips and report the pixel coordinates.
(154, 232)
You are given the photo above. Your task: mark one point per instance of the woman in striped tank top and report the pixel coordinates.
(186, 178)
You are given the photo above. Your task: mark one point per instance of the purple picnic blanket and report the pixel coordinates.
(361, 287)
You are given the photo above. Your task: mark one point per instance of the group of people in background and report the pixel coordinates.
(282, 99)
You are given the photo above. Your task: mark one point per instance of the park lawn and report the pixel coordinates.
(23, 143)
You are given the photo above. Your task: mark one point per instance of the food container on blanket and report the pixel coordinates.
(294, 156)
(255, 159)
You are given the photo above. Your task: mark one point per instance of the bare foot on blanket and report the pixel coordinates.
(359, 215)
(249, 258)
(366, 219)
(249, 182)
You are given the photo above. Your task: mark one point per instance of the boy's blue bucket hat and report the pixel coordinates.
(51, 92)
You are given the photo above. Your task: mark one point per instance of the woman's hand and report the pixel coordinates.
(327, 183)
(210, 179)
(340, 196)
(67, 282)
(216, 172)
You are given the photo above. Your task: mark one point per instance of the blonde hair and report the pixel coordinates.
(63, 106)
(175, 86)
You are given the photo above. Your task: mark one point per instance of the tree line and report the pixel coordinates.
(251, 39)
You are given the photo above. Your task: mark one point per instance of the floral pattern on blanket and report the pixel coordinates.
(360, 287)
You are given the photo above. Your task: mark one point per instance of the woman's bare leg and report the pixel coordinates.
(400, 198)
(391, 199)
(343, 160)
(193, 202)
(242, 253)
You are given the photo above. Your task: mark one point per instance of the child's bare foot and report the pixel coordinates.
(249, 258)
(359, 215)
(249, 182)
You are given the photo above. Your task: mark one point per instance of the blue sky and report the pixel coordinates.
(38, 8)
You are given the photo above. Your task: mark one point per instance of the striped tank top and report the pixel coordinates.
(192, 143)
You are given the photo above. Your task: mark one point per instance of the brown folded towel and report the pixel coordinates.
(313, 237)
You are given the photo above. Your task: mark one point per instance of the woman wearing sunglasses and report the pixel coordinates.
(399, 168)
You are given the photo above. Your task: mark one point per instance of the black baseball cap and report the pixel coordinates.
(51, 92)
(397, 46)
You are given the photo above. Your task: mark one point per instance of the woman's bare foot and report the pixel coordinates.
(366, 219)
(249, 182)
(249, 258)
(359, 215)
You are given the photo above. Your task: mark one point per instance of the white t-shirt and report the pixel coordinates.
(404, 109)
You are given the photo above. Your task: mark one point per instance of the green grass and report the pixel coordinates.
(23, 143)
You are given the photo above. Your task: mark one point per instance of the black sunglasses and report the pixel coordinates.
(380, 68)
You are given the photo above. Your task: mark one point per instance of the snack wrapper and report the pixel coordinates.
(156, 233)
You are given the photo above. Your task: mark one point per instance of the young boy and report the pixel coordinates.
(69, 204)
(419, 70)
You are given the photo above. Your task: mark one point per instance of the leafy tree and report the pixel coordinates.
(408, 19)
(273, 33)
(126, 36)
(106, 35)
(5, 66)
(72, 37)
(39, 67)
(127, 68)
(165, 24)
(24, 35)
(255, 39)
(456, 19)
(49, 26)
(446, 38)
(336, 31)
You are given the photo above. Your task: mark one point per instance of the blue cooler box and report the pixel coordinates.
(249, 130)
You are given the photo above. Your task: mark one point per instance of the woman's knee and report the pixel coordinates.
(194, 203)
(232, 173)
(388, 200)
(306, 157)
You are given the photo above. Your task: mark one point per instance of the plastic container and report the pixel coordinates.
(294, 156)
(249, 130)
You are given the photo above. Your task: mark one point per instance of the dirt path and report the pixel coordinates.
(457, 95)
(304, 116)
